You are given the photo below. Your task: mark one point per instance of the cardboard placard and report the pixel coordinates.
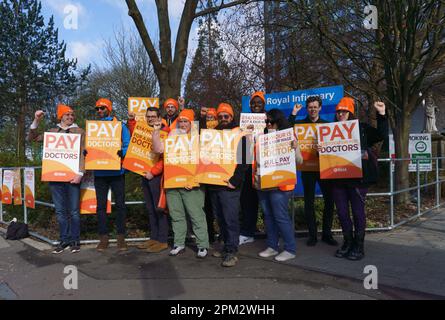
(258, 120)
(139, 106)
(61, 156)
(307, 141)
(7, 186)
(340, 154)
(103, 141)
(30, 188)
(88, 201)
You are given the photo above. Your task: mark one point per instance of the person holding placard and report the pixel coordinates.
(249, 198)
(310, 178)
(65, 195)
(172, 108)
(114, 179)
(353, 191)
(151, 186)
(184, 201)
(275, 201)
(225, 199)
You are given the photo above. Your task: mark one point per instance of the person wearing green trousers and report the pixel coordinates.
(184, 201)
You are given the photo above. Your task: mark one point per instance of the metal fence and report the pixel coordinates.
(392, 193)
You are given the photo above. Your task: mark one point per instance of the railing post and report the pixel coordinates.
(1, 210)
(391, 189)
(418, 187)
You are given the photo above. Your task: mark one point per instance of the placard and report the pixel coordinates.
(139, 106)
(88, 201)
(7, 186)
(307, 141)
(30, 188)
(103, 141)
(258, 120)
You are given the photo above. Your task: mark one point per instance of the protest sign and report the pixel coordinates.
(7, 186)
(17, 189)
(340, 153)
(88, 202)
(139, 106)
(181, 155)
(276, 159)
(61, 156)
(103, 141)
(257, 120)
(140, 157)
(307, 141)
(217, 155)
(29, 188)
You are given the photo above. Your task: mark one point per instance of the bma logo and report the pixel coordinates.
(421, 147)
(371, 20)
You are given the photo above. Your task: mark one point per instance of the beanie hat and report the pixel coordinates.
(187, 114)
(212, 112)
(63, 109)
(102, 102)
(259, 94)
(171, 101)
(225, 107)
(346, 104)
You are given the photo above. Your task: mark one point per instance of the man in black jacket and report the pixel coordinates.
(309, 178)
(225, 200)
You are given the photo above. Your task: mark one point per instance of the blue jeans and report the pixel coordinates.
(66, 199)
(275, 204)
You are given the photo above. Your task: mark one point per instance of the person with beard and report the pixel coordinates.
(225, 200)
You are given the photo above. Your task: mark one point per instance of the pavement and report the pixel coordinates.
(409, 262)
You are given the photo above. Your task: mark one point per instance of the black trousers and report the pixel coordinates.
(309, 180)
(249, 206)
(117, 185)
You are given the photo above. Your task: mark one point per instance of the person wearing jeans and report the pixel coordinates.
(275, 201)
(65, 195)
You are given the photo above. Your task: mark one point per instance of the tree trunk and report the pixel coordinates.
(21, 131)
(401, 140)
(169, 88)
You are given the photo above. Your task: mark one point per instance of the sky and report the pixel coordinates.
(97, 20)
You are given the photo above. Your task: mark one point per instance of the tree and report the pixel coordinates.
(395, 62)
(33, 69)
(211, 80)
(169, 66)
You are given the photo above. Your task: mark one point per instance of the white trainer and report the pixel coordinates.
(284, 256)
(202, 253)
(269, 252)
(177, 250)
(244, 240)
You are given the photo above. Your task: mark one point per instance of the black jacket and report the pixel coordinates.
(292, 121)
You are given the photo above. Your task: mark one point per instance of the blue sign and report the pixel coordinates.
(285, 101)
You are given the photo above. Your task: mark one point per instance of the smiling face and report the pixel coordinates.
(67, 119)
(152, 118)
(257, 105)
(342, 115)
(313, 110)
(184, 125)
(224, 118)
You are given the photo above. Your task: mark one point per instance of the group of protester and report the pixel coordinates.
(235, 205)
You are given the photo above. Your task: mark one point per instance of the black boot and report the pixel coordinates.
(329, 239)
(347, 245)
(357, 252)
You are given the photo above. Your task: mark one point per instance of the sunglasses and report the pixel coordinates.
(224, 117)
(100, 108)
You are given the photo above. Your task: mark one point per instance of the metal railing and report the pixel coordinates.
(392, 193)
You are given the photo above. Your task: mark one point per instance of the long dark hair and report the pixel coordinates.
(277, 116)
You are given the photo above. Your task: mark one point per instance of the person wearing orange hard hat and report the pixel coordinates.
(114, 179)
(172, 108)
(188, 201)
(353, 191)
(65, 195)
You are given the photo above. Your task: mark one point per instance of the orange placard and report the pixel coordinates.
(140, 158)
(307, 141)
(217, 155)
(340, 153)
(276, 159)
(181, 154)
(103, 141)
(17, 191)
(7, 186)
(30, 188)
(139, 106)
(88, 202)
(61, 156)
